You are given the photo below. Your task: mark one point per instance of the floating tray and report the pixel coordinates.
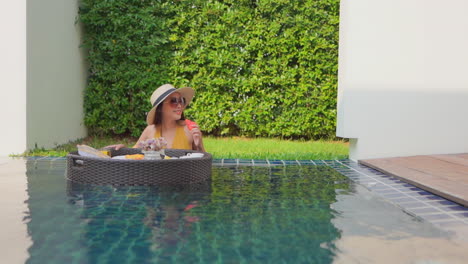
(139, 172)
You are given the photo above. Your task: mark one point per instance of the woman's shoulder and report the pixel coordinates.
(150, 129)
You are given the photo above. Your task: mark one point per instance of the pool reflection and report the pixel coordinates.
(244, 214)
(136, 222)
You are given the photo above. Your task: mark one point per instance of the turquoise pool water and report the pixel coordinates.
(245, 214)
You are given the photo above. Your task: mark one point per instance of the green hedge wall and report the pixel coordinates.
(260, 68)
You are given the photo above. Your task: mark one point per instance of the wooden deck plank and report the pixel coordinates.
(444, 175)
(453, 158)
(461, 155)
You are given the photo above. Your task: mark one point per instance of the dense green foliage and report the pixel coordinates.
(260, 68)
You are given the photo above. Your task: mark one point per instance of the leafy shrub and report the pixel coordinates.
(260, 68)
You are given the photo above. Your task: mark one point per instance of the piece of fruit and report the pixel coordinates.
(190, 124)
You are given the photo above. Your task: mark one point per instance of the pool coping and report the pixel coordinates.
(444, 174)
(411, 199)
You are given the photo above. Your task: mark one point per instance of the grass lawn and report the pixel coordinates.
(232, 147)
(263, 148)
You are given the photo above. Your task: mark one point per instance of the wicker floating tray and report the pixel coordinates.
(139, 172)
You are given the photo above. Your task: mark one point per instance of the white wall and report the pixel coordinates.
(403, 77)
(56, 73)
(13, 77)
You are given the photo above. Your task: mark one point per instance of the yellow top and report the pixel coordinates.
(180, 139)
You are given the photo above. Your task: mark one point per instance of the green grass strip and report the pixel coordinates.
(263, 148)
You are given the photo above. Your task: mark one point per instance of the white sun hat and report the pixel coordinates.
(162, 93)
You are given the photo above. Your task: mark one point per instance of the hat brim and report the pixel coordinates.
(186, 92)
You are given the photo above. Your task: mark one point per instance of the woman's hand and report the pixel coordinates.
(196, 135)
(197, 142)
(116, 146)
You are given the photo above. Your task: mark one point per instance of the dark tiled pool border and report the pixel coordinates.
(411, 199)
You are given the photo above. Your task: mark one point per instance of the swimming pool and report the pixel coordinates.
(250, 212)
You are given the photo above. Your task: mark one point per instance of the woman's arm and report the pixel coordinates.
(200, 146)
(149, 130)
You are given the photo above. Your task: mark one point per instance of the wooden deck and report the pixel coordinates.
(444, 175)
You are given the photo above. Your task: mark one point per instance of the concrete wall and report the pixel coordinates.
(403, 77)
(13, 77)
(42, 75)
(56, 73)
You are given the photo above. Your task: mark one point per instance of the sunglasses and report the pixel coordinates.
(174, 102)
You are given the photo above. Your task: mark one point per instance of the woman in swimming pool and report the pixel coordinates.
(166, 119)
